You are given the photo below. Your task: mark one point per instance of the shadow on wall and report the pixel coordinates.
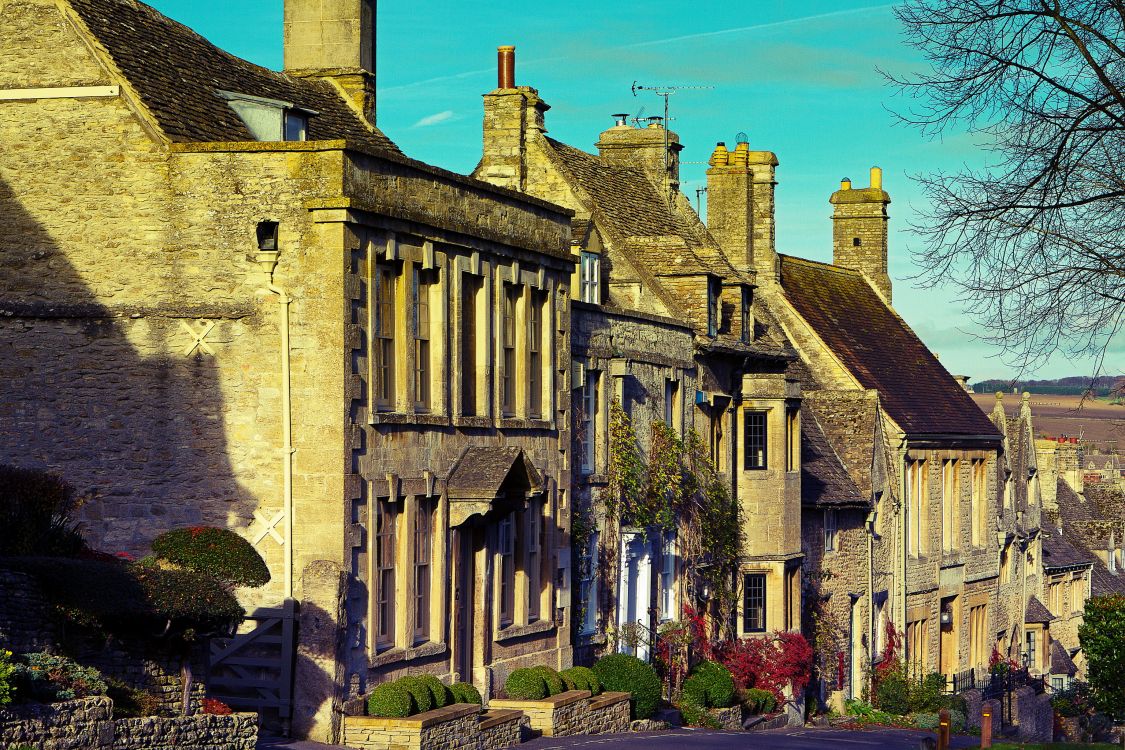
(112, 396)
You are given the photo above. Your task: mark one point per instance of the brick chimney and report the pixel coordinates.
(740, 207)
(512, 116)
(334, 39)
(859, 230)
(644, 148)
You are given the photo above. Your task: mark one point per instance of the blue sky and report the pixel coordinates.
(799, 77)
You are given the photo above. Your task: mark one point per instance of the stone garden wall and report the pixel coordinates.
(88, 724)
(500, 729)
(608, 713)
(452, 727)
(562, 715)
(24, 622)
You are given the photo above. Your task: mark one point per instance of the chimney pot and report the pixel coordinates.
(846, 183)
(506, 67)
(877, 178)
(621, 119)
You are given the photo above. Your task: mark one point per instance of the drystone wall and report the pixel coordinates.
(206, 732)
(24, 622)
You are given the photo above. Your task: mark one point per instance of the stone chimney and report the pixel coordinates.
(334, 39)
(645, 148)
(512, 116)
(859, 230)
(740, 207)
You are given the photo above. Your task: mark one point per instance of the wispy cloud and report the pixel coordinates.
(656, 42)
(434, 119)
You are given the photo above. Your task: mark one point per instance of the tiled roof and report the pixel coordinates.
(482, 471)
(1061, 663)
(849, 422)
(633, 208)
(1037, 612)
(1108, 498)
(880, 350)
(824, 480)
(177, 73)
(1059, 553)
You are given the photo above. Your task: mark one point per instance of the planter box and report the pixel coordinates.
(727, 718)
(608, 713)
(454, 727)
(562, 715)
(500, 729)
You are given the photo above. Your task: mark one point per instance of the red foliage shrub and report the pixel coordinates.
(774, 664)
(216, 707)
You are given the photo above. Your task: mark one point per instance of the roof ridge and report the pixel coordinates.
(821, 264)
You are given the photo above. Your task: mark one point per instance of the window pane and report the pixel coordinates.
(755, 444)
(754, 602)
(469, 287)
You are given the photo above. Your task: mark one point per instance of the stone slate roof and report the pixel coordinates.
(481, 472)
(1061, 663)
(1037, 612)
(176, 72)
(635, 208)
(881, 351)
(1059, 553)
(1108, 498)
(825, 483)
(849, 420)
(1076, 515)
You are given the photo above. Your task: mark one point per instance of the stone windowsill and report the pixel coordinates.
(419, 418)
(552, 703)
(418, 721)
(514, 423)
(395, 655)
(494, 717)
(483, 422)
(519, 631)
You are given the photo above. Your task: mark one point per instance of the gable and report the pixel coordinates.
(42, 49)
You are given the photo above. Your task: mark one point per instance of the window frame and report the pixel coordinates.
(792, 438)
(760, 594)
(746, 319)
(588, 585)
(423, 568)
(714, 306)
(508, 367)
(385, 569)
(471, 286)
(831, 529)
(537, 306)
(534, 546)
(506, 570)
(383, 336)
(422, 323)
(591, 404)
(589, 277)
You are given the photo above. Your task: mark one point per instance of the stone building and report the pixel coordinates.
(668, 327)
(229, 299)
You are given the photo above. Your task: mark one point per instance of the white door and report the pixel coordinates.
(634, 594)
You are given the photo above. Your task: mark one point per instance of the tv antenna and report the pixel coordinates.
(666, 92)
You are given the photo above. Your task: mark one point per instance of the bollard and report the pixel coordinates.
(985, 729)
(943, 730)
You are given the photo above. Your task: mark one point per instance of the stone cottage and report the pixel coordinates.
(227, 298)
(666, 326)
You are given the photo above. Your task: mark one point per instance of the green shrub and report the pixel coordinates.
(390, 700)
(526, 684)
(218, 553)
(35, 510)
(926, 721)
(1074, 700)
(696, 716)
(631, 675)
(759, 701)
(438, 691)
(7, 676)
(1100, 637)
(419, 691)
(927, 694)
(129, 702)
(191, 600)
(555, 684)
(575, 679)
(892, 695)
(710, 685)
(463, 692)
(957, 720)
(595, 686)
(49, 678)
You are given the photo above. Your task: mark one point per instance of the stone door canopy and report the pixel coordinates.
(483, 476)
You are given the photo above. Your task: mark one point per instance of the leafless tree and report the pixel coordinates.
(1035, 242)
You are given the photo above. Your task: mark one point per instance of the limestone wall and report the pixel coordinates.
(25, 622)
(83, 724)
(233, 732)
(454, 727)
(608, 713)
(562, 715)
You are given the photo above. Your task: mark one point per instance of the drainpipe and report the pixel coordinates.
(267, 259)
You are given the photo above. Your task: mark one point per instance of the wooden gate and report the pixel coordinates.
(253, 671)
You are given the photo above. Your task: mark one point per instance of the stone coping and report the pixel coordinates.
(417, 721)
(608, 699)
(555, 701)
(497, 716)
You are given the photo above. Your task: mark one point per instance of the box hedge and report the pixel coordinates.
(526, 684)
(629, 674)
(710, 685)
(419, 692)
(463, 692)
(555, 684)
(218, 553)
(390, 700)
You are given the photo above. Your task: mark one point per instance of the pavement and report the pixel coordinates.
(807, 738)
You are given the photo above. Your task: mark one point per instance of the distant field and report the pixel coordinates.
(1096, 420)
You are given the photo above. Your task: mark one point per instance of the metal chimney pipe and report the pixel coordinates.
(506, 67)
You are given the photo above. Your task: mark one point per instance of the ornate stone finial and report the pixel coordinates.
(1026, 396)
(999, 396)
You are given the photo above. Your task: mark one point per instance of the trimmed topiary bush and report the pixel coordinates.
(526, 685)
(191, 600)
(219, 553)
(594, 686)
(463, 692)
(574, 680)
(759, 701)
(555, 684)
(631, 675)
(438, 690)
(419, 691)
(710, 685)
(390, 700)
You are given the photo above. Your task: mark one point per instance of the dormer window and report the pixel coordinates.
(296, 125)
(269, 119)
